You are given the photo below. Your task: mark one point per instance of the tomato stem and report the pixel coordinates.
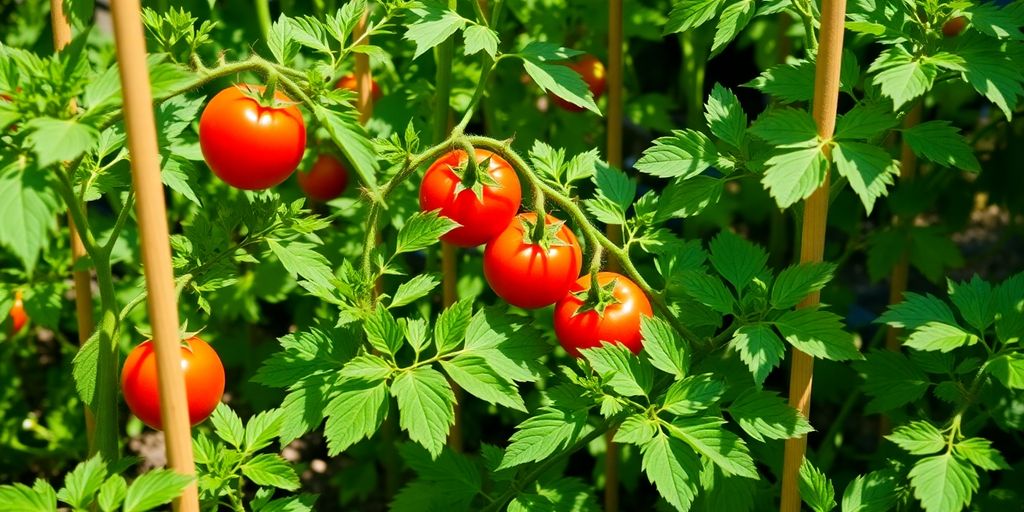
(540, 228)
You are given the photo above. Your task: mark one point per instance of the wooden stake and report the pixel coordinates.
(613, 117)
(812, 247)
(155, 243)
(364, 78)
(83, 280)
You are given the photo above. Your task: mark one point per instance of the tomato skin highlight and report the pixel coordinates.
(480, 221)
(619, 324)
(18, 315)
(204, 382)
(592, 70)
(524, 274)
(349, 82)
(325, 180)
(954, 27)
(250, 146)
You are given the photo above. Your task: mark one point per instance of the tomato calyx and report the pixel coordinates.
(267, 98)
(544, 236)
(474, 177)
(597, 298)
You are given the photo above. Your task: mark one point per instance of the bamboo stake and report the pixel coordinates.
(364, 78)
(901, 272)
(614, 152)
(812, 247)
(155, 243)
(83, 280)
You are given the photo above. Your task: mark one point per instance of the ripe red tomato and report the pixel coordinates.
(481, 220)
(18, 316)
(204, 381)
(349, 82)
(619, 323)
(954, 27)
(248, 145)
(526, 275)
(593, 73)
(324, 181)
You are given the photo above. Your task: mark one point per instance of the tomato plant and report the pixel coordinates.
(250, 145)
(530, 266)
(204, 381)
(325, 180)
(482, 201)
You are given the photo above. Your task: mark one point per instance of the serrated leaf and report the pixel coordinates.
(367, 368)
(797, 282)
(869, 169)
(709, 291)
(684, 154)
(422, 230)
(426, 405)
(112, 493)
(473, 374)
(354, 414)
(736, 259)
(227, 425)
(693, 394)
(300, 259)
(543, 434)
(917, 310)
(684, 198)
(673, 468)
(154, 488)
(790, 83)
(663, 346)
(1008, 369)
(941, 143)
(414, 289)
(974, 301)
(725, 116)
(943, 483)
(763, 414)
(479, 37)
(734, 18)
(939, 336)
(687, 14)
(269, 469)
(993, 73)
(59, 140)
(901, 76)
(452, 324)
(760, 348)
(383, 332)
(891, 380)
(620, 369)
(560, 80)
(815, 488)
(786, 128)
(865, 122)
(873, 492)
(981, 453)
(918, 438)
(432, 27)
(636, 429)
(261, 429)
(794, 175)
(82, 483)
(818, 333)
(28, 206)
(725, 449)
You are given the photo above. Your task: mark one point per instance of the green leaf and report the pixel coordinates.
(974, 300)
(82, 483)
(673, 468)
(620, 369)
(943, 482)
(815, 488)
(786, 128)
(797, 282)
(636, 429)
(818, 333)
(917, 310)
(261, 429)
(23, 498)
(112, 493)
(615, 185)
(693, 394)
(366, 368)
(794, 175)
(725, 449)
(84, 369)
(346, 131)
(227, 425)
(734, 18)
(687, 14)
(281, 41)
(736, 259)
(269, 469)
(995, 21)
(543, 434)
(686, 198)
(354, 414)
(993, 73)
(414, 289)
(28, 208)
(763, 414)
(300, 503)
(432, 27)
(557, 79)
(684, 154)
(901, 76)
(790, 83)
(426, 405)
(1008, 369)
(725, 116)
(605, 210)
(939, 336)
(663, 346)
(452, 324)
(869, 169)
(941, 143)
(59, 140)
(154, 488)
(873, 492)
(709, 291)
(311, 33)
(383, 331)
(918, 438)
(1008, 302)
(473, 374)
(422, 230)
(891, 380)
(479, 37)
(760, 348)
(299, 258)
(981, 453)
(865, 121)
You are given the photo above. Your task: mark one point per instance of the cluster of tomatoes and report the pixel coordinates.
(525, 269)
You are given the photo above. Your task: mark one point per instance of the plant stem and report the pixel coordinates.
(263, 16)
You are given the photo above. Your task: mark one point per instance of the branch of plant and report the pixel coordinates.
(122, 217)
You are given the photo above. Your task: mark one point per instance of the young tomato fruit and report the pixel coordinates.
(593, 73)
(482, 218)
(248, 145)
(531, 275)
(18, 316)
(204, 381)
(349, 82)
(954, 26)
(324, 181)
(618, 322)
